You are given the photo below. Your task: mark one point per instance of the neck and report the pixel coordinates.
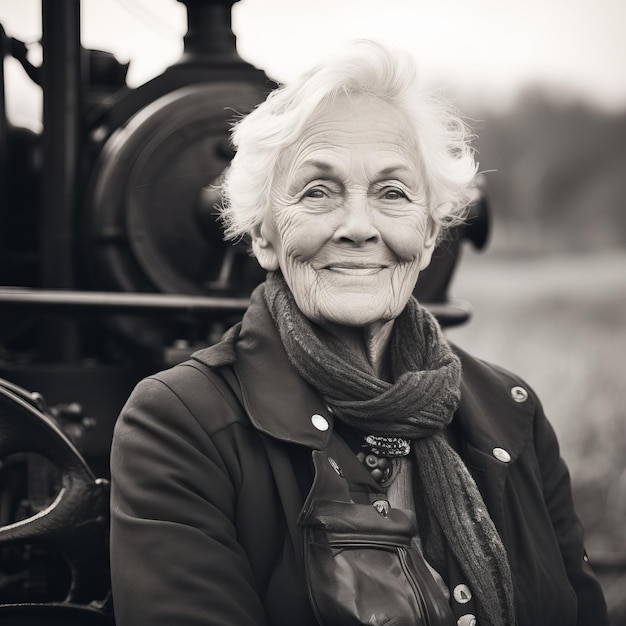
(369, 342)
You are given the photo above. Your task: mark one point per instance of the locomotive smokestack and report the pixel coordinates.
(209, 34)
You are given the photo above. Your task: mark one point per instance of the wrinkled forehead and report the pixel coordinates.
(361, 122)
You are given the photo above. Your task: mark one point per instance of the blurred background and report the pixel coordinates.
(544, 86)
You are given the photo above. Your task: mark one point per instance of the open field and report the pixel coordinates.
(560, 323)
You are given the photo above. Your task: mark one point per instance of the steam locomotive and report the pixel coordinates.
(112, 266)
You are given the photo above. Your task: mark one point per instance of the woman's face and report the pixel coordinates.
(348, 227)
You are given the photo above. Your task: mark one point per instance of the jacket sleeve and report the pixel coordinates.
(592, 609)
(175, 557)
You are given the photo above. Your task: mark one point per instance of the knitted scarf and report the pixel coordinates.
(417, 405)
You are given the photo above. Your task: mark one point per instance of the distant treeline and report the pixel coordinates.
(560, 174)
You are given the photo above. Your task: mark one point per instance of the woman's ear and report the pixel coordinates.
(264, 250)
(430, 241)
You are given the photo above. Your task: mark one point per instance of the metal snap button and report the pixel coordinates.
(501, 454)
(467, 620)
(462, 594)
(335, 465)
(519, 394)
(382, 506)
(319, 421)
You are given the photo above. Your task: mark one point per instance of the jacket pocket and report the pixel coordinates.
(365, 568)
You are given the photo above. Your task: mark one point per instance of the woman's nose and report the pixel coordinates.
(357, 226)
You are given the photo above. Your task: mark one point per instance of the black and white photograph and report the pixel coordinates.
(312, 313)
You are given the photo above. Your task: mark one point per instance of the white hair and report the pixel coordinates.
(364, 68)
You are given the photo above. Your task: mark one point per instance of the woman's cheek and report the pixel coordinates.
(407, 249)
(404, 234)
(303, 238)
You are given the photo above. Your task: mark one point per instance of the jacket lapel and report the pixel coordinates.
(278, 401)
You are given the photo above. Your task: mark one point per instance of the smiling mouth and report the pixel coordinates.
(355, 269)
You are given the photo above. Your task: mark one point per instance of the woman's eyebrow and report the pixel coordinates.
(316, 166)
(394, 169)
(310, 169)
(401, 172)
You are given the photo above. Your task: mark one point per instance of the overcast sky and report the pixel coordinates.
(484, 50)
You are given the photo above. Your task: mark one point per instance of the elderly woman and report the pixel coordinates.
(334, 460)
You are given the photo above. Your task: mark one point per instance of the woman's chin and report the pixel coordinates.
(357, 310)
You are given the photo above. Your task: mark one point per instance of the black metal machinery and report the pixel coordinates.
(112, 197)
(112, 265)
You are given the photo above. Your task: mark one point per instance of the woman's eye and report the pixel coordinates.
(315, 192)
(392, 193)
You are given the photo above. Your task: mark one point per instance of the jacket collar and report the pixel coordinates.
(278, 401)
(282, 405)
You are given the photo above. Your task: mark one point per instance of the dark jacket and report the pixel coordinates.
(202, 533)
